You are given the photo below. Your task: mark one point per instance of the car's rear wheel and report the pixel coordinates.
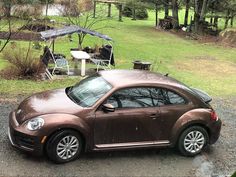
(64, 146)
(193, 140)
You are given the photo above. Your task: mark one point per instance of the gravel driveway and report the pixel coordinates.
(217, 160)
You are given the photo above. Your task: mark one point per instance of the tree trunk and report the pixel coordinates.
(94, 9)
(134, 13)
(46, 8)
(156, 14)
(120, 12)
(80, 36)
(8, 37)
(8, 10)
(196, 15)
(216, 22)
(203, 11)
(227, 19)
(232, 21)
(166, 8)
(186, 12)
(109, 10)
(175, 14)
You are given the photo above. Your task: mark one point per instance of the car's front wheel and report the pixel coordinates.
(193, 140)
(64, 146)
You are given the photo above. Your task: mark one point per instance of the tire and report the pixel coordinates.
(64, 146)
(193, 140)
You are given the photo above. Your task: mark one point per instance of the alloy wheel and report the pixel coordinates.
(194, 141)
(67, 147)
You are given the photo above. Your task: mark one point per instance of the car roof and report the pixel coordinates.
(126, 78)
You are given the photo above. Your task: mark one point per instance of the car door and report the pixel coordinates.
(135, 120)
(172, 106)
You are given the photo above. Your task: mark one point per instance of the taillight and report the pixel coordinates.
(214, 116)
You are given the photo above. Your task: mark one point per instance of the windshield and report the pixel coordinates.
(88, 91)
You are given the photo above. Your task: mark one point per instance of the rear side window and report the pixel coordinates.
(173, 98)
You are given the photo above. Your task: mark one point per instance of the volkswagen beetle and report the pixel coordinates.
(114, 110)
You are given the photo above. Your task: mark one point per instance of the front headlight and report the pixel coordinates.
(35, 123)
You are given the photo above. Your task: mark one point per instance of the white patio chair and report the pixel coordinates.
(105, 62)
(59, 63)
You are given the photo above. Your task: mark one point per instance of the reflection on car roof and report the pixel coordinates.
(121, 78)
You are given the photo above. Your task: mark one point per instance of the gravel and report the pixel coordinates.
(218, 160)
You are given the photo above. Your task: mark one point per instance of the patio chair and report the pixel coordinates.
(59, 60)
(105, 59)
(45, 60)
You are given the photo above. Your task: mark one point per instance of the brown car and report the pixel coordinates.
(113, 110)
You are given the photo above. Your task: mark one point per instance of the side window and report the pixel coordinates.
(113, 101)
(172, 98)
(134, 98)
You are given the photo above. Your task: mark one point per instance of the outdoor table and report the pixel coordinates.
(83, 56)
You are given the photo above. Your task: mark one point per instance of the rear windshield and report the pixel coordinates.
(203, 95)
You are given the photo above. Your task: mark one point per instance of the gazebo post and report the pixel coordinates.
(120, 12)
(109, 10)
(53, 45)
(94, 9)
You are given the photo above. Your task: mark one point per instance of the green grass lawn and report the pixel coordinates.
(206, 66)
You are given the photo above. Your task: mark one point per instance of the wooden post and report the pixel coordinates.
(94, 9)
(120, 12)
(109, 10)
(156, 14)
(211, 20)
(216, 22)
(191, 24)
(232, 22)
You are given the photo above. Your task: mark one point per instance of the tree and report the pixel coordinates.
(175, 14)
(166, 6)
(157, 5)
(6, 6)
(186, 12)
(84, 19)
(46, 2)
(7, 20)
(137, 8)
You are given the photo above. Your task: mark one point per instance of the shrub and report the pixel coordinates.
(127, 11)
(75, 7)
(23, 64)
(140, 11)
(141, 14)
(26, 11)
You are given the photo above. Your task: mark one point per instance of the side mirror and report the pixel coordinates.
(108, 108)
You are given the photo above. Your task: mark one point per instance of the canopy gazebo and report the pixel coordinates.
(51, 35)
(68, 30)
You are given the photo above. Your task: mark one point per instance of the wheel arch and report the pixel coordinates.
(84, 138)
(195, 117)
(200, 124)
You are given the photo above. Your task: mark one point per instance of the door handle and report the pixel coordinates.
(153, 116)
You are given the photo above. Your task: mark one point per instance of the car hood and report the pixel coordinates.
(48, 102)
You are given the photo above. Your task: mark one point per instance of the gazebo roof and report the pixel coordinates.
(52, 34)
